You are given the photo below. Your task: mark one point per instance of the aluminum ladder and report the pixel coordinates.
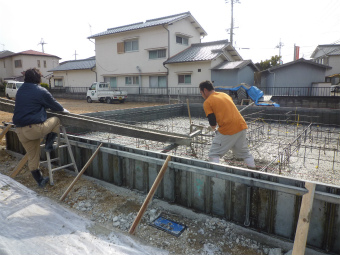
(58, 146)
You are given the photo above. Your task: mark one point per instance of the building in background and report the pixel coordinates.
(74, 73)
(12, 65)
(329, 55)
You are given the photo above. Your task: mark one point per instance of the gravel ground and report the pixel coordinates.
(115, 208)
(315, 158)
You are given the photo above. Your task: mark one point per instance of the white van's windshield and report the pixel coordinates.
(19, 84)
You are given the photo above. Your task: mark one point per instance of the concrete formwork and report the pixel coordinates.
(265, 202)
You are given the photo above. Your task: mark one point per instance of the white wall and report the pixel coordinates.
(334, 62)
(75, 78)
(28, 61)
(7, 70)
(186, 28)
(111, 64)
(190, 68)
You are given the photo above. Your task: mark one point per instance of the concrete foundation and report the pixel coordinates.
(267, 203)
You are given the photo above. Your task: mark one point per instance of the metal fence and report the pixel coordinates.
(299, 91)
(136, 90)
(282, 91)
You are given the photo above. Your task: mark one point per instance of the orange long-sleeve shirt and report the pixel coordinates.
(229, 119)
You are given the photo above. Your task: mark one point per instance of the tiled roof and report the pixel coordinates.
(228, 65)
(32, 53)
(202, 52)
(327, 50)
(76, 65)
(5, 53)
(151, 23)
(301, 60)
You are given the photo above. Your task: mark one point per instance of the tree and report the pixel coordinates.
(264, 65)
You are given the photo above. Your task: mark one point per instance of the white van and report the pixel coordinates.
(12, 88)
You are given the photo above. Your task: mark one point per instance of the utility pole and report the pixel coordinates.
(90, 29)
(232, 19)
(42, 44)
(75, 55)
(280, 45)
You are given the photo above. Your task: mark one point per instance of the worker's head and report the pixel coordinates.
(33, 75)
(206, 88)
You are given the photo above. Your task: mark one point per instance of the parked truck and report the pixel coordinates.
(102, 92)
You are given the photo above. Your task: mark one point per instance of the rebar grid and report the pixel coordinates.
(286, 146)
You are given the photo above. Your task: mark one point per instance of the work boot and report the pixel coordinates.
(39, 178)
(50, 137)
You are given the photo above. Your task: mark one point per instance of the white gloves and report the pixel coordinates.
(66, 111)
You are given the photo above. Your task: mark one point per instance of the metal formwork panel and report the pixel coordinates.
(261, 201)
(198, 191)
(336, 229)
(261, 209)
(238, 201)
(285, 215)
(318, 223)
(219, 196)
(168, 184)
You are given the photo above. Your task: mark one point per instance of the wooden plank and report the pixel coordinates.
(20, 165)
(5, 130)
(80, 173)
(304, 220)
(149, 196)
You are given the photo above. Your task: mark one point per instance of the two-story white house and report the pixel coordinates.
(133, 55)
(12, 65)
(164, 55)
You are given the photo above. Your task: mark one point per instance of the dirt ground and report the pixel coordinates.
(114, 208)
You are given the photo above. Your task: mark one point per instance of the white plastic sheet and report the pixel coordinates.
(34, 225)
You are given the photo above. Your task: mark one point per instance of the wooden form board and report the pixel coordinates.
(304, 220)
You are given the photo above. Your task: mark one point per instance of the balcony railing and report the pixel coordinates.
(283, 91)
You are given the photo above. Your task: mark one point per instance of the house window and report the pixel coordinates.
(157, 82)
(58, 82)
(184, 79)
(153, 54)
(17, 63)
(131, 45)
(132, 80)
(111, 80)
(182, 40)
(45, 64)
(38, 63)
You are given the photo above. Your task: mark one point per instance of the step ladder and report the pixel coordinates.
(58, 146)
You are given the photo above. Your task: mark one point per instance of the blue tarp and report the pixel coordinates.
(253, 92)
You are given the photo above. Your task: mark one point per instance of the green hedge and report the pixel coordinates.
(45, 85)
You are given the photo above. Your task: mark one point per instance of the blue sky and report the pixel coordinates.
(261, 24)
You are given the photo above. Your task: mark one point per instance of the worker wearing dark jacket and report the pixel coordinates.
(31, 121)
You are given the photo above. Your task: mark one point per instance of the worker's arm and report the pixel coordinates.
(212, 121)
(49, 102)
